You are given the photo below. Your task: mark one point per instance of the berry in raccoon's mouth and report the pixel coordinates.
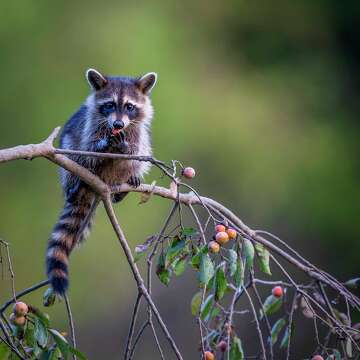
(116, 131)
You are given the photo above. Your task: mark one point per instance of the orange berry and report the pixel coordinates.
(209, 355)
(317, 357)
(188, 172)
(214, 247)
(277, 291)
(220, 228)
(222, 237)
(20, 308)
(232, 233)
(19, 320)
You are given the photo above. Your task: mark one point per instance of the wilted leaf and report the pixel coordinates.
(249, 252)
(220, 284)
(232, 261)
(277, 327)
(236, 351)
(206, 269)
(49, 297)
(145, 196)
(264, 258)
(206, 307)
(141, 249)
(271, 305)
(196, 302)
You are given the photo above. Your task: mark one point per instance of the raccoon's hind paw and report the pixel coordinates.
(134, 181)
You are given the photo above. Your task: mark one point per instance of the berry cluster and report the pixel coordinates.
(18, 316)
(222, 236)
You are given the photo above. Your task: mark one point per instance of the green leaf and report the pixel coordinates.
(271, 305)
(337, 355)
(163, 274)
(206, 307)
(176, 247)
(264, 258)
(196, 259)
(196, 302)
(285, 340)
(353, 283)
(206, 269)
(41, 316)
(29, 337)
(239, 274)
(348, 348)
(4, 351)
(188, 232)
(236, 351)
(49, 297)
(249, 252)
(180, 266)
(277, 327)
(61, 343)
(220, 284)
(232, 262)
(40, 333)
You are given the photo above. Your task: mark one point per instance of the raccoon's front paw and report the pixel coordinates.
(119, 144)
(134, 181)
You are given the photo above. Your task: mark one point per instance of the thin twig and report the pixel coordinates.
(71, 322)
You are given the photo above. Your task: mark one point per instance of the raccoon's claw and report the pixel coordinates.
(134, 181)
(119, 144)
(118, 197)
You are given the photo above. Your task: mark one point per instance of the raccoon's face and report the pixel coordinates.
(120, 103)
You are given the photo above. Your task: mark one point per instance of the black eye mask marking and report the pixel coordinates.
(107, 108)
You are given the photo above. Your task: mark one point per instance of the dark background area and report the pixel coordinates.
(261, 98)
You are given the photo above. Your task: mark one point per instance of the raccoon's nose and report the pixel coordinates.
(118, 124)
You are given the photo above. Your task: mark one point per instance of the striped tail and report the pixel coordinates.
(73, 225)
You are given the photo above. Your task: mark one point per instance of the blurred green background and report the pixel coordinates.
(260, 97)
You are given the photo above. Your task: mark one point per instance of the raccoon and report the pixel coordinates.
(115, 118)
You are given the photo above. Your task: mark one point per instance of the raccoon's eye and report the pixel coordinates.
(109, 106)
(129, 107)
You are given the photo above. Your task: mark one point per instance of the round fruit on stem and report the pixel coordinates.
(189, 172)
(222, 237)
(220, 228)
(208, 355)
(214, 247)
(20, 308)
(232, 233)
(278, 291)
(17, 320)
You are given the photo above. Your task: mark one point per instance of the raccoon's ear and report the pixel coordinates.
(147, 82)
(96, 80)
